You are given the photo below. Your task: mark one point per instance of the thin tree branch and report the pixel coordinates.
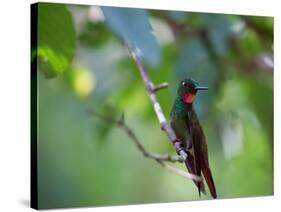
(179, 172)
(158, 158)
(121, 123)
(157, 108)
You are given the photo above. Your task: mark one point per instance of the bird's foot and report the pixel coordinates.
(180, 149)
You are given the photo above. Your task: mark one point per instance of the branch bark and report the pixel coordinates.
(151, 90)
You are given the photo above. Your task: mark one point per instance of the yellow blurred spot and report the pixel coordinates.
(84, 82)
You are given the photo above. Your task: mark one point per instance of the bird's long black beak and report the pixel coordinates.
(201, 88)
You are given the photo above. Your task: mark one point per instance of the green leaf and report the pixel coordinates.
(56, 38)
(133, 27)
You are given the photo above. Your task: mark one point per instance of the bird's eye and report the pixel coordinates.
(184, 83)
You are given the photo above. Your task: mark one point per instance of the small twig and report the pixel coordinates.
(160, 86)
(157, 108)
(159, 158)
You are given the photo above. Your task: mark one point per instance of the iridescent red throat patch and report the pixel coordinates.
(188, 98)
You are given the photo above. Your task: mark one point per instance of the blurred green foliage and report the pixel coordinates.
(84, 161)
(56, 38)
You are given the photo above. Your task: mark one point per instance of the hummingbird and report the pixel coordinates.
(190, 133)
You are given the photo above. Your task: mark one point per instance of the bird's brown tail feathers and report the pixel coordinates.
(210, 182)
(189, 162)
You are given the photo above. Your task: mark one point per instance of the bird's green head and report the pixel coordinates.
(187, 90)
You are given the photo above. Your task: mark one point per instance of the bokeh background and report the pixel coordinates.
(83, 63)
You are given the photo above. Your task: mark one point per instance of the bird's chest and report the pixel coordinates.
(180, 126)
